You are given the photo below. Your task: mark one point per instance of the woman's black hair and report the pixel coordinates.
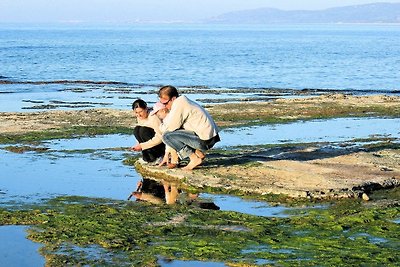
(139, 103)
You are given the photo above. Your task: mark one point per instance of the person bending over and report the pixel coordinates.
(147, 133)
(190, 129)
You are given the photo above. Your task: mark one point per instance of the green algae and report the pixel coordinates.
(22, 149)
(137, 234)
(64, 133)
(272, 113)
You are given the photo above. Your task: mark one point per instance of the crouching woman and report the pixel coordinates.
(147, 133)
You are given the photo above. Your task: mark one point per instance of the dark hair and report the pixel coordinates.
(169, 91)
(139, 103)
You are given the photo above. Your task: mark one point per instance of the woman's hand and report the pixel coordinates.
(137, 147)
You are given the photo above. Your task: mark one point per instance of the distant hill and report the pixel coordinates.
(369, 13)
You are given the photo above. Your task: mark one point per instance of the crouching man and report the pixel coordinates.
(191, 130)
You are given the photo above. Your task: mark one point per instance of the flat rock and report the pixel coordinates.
(307, 172)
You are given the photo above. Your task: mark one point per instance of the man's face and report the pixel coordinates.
(167, 101)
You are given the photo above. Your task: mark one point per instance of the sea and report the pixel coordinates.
(307, 56)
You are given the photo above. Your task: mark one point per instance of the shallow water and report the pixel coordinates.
(112, 141)
(237, 204)
(334, 130)
(66, 97)
(30, 177)
(16, 250)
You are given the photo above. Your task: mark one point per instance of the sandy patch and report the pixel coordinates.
(24, 122)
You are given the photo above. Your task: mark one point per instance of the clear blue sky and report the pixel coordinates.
(120, 11)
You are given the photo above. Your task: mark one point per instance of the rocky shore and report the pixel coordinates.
(304, 170)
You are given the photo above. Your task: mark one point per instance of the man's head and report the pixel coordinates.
(167, 95)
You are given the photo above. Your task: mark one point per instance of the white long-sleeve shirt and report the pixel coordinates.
(152, 122)
(190, 116)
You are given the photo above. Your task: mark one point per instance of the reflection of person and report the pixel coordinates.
(153, 192)
(171, 192)
(147, 133)
(168, 192)
(171, 157)
(190, 130)
(141, 196)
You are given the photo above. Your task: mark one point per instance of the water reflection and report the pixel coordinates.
(169, 193)
(165, 192)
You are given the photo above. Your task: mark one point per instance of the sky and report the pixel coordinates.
(127, 11)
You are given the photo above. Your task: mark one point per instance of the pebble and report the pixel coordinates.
(365, 197)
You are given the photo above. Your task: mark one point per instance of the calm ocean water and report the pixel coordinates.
(291, 56)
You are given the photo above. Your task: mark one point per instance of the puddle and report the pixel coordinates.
(16, 249)
(237, 204)
(30, 177)
(170, 193)
(333, 130)
(112, 141)
(312, 131)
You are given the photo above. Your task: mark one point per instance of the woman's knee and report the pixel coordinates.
(144, 133)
